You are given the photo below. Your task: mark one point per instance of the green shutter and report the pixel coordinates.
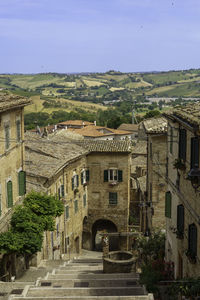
(180, 218)
(194, 152)
(168, 205)
(22, 183)
(112, 198)
(67, 212)
(62, 190)
(182, 144)
(192, 239)
(82, 177)
(120, 175)
(9, 194)
(77, 180)
(87, 175)
(105, 175)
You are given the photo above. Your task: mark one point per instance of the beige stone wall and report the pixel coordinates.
(11, 161)
(67, 229)
(184, 194)
(156, 182)
(98, 190)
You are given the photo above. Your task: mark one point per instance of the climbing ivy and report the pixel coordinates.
(29, 221)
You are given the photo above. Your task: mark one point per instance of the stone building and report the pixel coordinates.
(59, 169)
(12, 175)
(12, 169)
(91, 178)
(156, 131)
(182, 209)
(108, 191)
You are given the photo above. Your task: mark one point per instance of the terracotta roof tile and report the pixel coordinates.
(129, 127)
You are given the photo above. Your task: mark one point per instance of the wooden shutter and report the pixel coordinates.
(194, 160)
(22, 183)
(9, 194)
(82, 173)
(180, 218)
(67, 212)
(62, 190)
(182, 144)
(112, 198)
(192, 239)
(77, 180)
(120, 175)
(168, 204)
(72, 183)
(87, 175)
(105, 175)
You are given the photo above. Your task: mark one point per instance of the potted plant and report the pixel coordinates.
(179, 164)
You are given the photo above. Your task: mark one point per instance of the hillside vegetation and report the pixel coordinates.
(89, 95)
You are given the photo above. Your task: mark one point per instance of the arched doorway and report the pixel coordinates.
(86, 235)
(77, 244)
(103, 226)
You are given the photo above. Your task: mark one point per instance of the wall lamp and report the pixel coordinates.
(194, 177)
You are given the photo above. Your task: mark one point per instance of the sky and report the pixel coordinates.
(39, 36)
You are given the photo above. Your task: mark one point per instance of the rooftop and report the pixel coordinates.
(155, 125)
(140, 148)
(106, 146)
(75, 123)
(190, 113)
(128, 127)
(10, 101)
(46, 157)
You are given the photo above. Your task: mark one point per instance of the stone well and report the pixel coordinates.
(119, 262)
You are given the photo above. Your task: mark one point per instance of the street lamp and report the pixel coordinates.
(194, 177)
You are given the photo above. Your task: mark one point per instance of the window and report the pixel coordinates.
(168, 200)
(75, 182)
(113, 175)
(112, 198)
(61, 191)
(67, 212)
(75, 206)
(194, 157)
(180, 220)
(7, 136)
(171, 140)
(84, 200)
(9, 194)
(85, 176)
(192, 240)
(182, 144)
(18, 128)
(22, 183)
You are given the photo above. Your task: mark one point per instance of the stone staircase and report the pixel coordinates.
(83, 279)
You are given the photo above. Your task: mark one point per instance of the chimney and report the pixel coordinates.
(95, 123)
(55, 127)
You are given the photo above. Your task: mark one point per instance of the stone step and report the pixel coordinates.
(144, 297)
(103, 291)
(83, 271)
(86, 261)
(132, 276)
(81, 267)
(114, 282)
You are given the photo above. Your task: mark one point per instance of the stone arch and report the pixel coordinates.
(103, 225)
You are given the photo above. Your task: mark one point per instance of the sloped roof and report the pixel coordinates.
(75, 123)
(140, 148)
(46, 157)
(10, 101)
(106, 146)
(190, 113)
(155, 125)
(128, 127)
